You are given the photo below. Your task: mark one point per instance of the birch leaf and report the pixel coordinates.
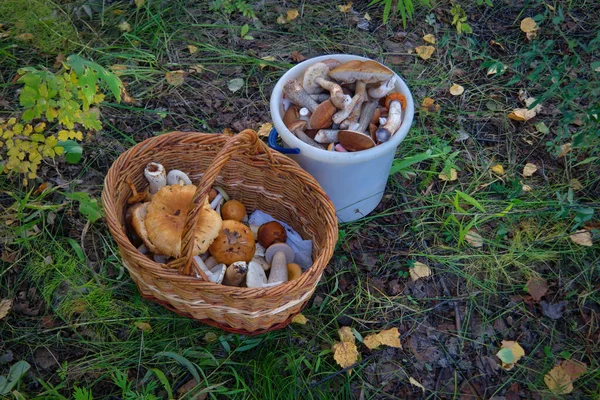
(510, 353)
(529, 169)
(425, 52)
(498, 169)
(558, 381)
(389, 337)
(418, 271)
(5, 305)
(582, 237)
(474, 238)
(299, 319)
(456, 90)
(429, 38)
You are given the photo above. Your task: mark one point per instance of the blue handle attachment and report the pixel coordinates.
(273, 144)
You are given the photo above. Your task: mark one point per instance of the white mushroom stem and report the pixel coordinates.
(365, 117)
(307, 139)
(382, 120)
(156, 175)
(394, 120)
(327, 136)
(143, 249)
(176, 176)
(262, 262)
(335, 91)
(235, 273)
(357, 100)
(210, 262)
(286, 104)
(303, 114)
(219, 189)
(382, 90)
(254, 230)
(215, 274)
(340, 148)
(161, 258)
(321, 97)
(256, 277)
(279, 272)
(260, 250)
(294, 91)
(216, 201)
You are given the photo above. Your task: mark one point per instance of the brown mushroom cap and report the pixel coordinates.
(291, 115)
(321, 117)
(365, 71)
(138, 218)
(271, 232)
(235, 242)
(355, 141)
(233, 209)
(294, 271)
(166, 217)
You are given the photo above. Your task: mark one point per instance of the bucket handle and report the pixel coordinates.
(273, 144)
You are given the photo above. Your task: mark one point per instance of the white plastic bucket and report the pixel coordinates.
(355, 181)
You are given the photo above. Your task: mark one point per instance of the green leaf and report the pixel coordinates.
(87, 82)
(542, 128)
(165, 382)
(82, 394)
(77, 248)
(506, 355)
(17, 371)
(466, 28)
(28, 97)
(28, 115)
(470, 200)
(183, 361)
(73, 151)
(98, 72)
(87, 206)
(403, 164)
(244, 30)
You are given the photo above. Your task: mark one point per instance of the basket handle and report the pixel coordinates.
(247, 140)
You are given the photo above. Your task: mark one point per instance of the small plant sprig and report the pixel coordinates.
(56, 107)
(459, 19)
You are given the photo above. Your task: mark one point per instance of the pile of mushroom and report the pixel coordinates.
(360, 110)
(227, 250)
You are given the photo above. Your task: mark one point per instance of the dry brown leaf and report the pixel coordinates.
(558, 381)
(346, 8)
(453, 175)
(143, 326)
(582, 238)
(425, 52)
(529, 169)
(281, 20)
(193, 49)
(429, 105)
(498, 169)
(175, 78)
(124, 26)
(24, 37)
(510, 353)
(416, 383)
(5, 305)
(537, 288)
(522, 114)
(196, 68)
(297, 57)
(418, 271)
(346, 334)
(126, 97)
(345, 354)
(291, 15)
(474, 238)
(528, 25)
(264, 130)
(574, 368)
(429, 38)
(495, 43)
(299, 319)
(526, 188)
(565, 149)
(389, 337)
(456, 90)
(210, 337)
(58, 61)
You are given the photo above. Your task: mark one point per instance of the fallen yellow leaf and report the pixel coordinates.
(418, 271)
(453, 175)
(299, 319)
(474, 238)
(281, 20)
(346, 334)
(291, 15)
(456, 90)
(429, 38)
(416, 383)
(522, 114)
(565, 149)
(5, 305)
(264, 131)
(429, 105)
(498, 169)
(528, 25)
(193, 49)
(124, 26)
(425, 52)
(510, 353)
(582, 237)
(266, 58)
(575, 184)
(389, 337)
(345, 354)
(574, 368)
(346, 8)
(143, 326)
(367, 17)
(175, 78)
(24, 37)
(210, 337)
(529, 169)
(197, 68)
(558, 381)
(526, 188)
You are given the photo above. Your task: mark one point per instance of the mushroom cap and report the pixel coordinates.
(299, 124)
(365, 71)
(321, 117)
(355, 141)
(138, 218)
(235, 242)
(275, 247)
(395, 96)
(294, 271)
(291, 115)
(233, 209)
(271, 232)
(235, 273)
(317, 70)
(166, 217)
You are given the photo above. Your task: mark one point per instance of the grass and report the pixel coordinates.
(79, 321)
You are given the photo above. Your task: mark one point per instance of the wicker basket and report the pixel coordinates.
(251, 173)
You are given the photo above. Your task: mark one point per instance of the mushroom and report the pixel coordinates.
(161, 258)
(175, 176)
(235, 242)
(262, 262)
(234, 210)
(321, 117)
(138, 219)
(210, 262)
(271, 232)
(394, 103)
(165, 219)
(135, 197)
(340, 148)
(260, 249)
(215, 274)
(294, 91)
(321, 97)
(356, 139)
(294, 271)
(314, 81)
(383, 89)
(279, 255)
(255, 277)
(235, 273)
(156, 175)
(297, 129)
(291, 115)
(327, 136)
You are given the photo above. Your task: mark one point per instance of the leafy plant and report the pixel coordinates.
(228, 7)
(459, 19)
(17, 371)
(88, 207)
(56, 106)
(405, 8)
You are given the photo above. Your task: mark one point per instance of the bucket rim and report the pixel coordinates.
(338, 157)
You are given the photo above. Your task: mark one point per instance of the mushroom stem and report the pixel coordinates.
(357, 100)
(321, 97)
(235, 273)
(327, 135)
(365, 117)
(279, 272)
(256, 277)
(335, 91)
(156, 175)
(306, 139)
(176, 176)
(135, 196)
(394, 120)
(202, 269)
(383, 89)
(294, 91)
(216, 201)
(340, 148)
